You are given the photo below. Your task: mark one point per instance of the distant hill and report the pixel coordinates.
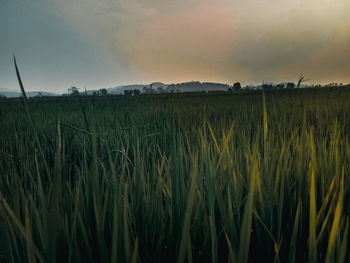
(15, 94)
(120, 89)
(159, 87)
(155, 87)
(196, 86)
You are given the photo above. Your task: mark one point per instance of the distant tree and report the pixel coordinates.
(237, 86)
(137, 92)
(2, 96)
(73, 91)
(267, 86)
(128, 92)
(279, 86)
(301, 79)
(229, 89)
(104, 92)
(290, 85)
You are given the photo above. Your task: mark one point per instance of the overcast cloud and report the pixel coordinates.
(103, 43)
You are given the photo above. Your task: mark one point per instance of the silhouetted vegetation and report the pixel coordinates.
(237, 86)
(73, 91)
(103, 92)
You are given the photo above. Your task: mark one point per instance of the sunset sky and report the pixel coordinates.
(104, 43)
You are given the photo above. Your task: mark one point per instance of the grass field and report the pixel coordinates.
(227, 177)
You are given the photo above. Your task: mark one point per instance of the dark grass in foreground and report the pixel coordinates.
(204, 178)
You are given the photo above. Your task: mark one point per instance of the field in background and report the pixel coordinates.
(232, 177)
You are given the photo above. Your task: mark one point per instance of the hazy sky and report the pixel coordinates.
(104, 43)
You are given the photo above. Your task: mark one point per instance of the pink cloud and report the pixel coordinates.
(193, 41)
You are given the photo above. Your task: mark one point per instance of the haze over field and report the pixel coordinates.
(105, 43)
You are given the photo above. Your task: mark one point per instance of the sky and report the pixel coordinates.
(104, 43)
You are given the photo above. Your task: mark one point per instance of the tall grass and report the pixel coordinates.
(198, 178)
